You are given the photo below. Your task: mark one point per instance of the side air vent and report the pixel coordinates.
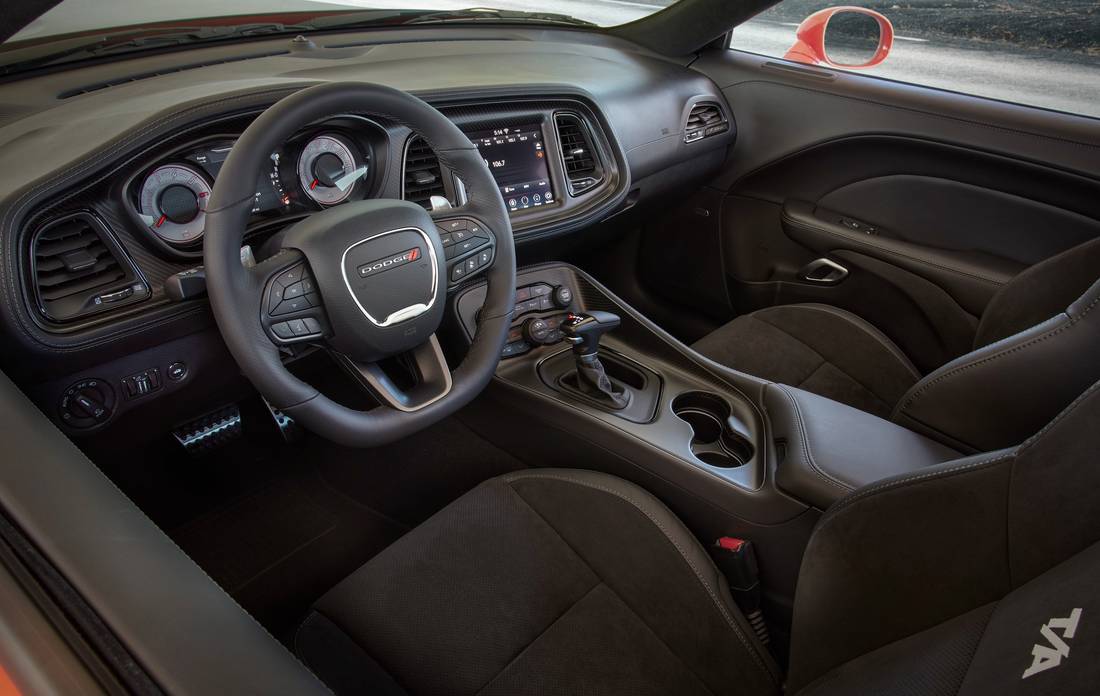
(706, 119)
(422, 177)
(95, 87)
(578, 153)
(79, 269)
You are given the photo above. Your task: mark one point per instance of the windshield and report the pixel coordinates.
(82, 16)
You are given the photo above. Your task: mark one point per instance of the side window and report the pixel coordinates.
(1042, 53)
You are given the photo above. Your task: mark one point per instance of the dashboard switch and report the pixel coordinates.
(177, 371)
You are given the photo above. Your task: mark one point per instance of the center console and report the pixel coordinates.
(586, 381)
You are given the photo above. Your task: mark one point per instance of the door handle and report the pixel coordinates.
(823, 272)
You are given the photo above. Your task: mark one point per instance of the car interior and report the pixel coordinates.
(527, 356)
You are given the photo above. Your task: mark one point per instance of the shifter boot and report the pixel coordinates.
(592, 379)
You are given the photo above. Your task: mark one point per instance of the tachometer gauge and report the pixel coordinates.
(173, 203)
(328, 171)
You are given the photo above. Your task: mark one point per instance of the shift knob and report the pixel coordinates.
(585, 330)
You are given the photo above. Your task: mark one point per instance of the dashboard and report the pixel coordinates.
(106, 172)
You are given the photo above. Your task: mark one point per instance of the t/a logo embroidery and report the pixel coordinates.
(1051, 656)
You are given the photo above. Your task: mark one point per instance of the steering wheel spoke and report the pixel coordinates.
(427, 377)
(291, 308)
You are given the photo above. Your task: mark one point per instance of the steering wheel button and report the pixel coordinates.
(471, 264)
(453, 225)
(298, 327)
(282, 330)
(484, 258)
(458, 272)
(307, 286)
(312, 325)
(293, 291)
(292, 276)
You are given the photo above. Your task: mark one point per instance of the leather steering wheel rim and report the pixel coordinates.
(236, 292)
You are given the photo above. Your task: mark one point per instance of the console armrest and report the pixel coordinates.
(832, 448)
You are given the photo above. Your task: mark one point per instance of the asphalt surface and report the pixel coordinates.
(1061, 81)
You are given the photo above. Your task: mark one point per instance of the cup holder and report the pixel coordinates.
(714, 441)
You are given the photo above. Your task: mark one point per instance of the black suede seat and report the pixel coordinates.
(950, 581)
(834, 353)
(818, 348)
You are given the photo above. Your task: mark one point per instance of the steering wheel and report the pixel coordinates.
(375, 272)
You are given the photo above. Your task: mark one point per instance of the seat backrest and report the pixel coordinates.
(1003, 392)
(1039, 293)
(1013, 533)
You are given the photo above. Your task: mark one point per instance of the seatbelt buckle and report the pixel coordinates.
(736, 558)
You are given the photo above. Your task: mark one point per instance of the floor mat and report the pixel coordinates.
(278, 549)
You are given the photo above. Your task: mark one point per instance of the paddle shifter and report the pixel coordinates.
(584, 332)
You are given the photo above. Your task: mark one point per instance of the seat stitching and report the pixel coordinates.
(809, 456)
(869, 329)
(602, 582)
(698, 574)
(1009, 351)
(895, 483)
(548, 626)
(824, 360)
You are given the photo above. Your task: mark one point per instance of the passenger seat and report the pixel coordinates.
(1035, 350)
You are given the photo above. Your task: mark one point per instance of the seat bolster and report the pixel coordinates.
(818, 348)
(1000, 395)
(832, 449)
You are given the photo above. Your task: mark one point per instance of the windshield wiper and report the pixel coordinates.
(121, 42)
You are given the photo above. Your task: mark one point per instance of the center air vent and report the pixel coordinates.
(422, 176)
(578, 153)
(79, 269)
(706, 119)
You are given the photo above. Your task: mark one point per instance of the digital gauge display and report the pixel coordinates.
(270, 194)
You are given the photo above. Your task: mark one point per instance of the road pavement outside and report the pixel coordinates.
(934, 53)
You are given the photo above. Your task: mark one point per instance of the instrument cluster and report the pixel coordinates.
(320, 167)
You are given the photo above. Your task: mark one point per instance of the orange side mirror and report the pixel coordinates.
(810, 44)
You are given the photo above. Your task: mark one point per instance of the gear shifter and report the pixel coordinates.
(584, 332)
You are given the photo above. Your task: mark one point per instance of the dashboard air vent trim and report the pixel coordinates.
(579, 156)
(79, 269)
(704, 120)
(421, 176)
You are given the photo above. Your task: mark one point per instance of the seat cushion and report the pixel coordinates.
(817, 348)
(543, 582)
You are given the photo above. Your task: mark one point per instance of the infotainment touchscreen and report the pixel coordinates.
(517, 158)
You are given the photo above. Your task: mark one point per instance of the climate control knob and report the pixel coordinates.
(562, 296)
(537, 331)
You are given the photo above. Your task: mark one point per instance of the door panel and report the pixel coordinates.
(962, 194)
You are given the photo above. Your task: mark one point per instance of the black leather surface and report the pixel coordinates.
(185, 631)
(833, 449)
(1000, 394)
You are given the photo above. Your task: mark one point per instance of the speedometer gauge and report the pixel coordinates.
(173, 203)
(328, 170)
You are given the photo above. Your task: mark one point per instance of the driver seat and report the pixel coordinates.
(976, 576)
